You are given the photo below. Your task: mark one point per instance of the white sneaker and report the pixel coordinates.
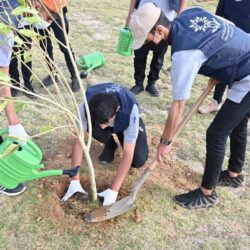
(212, 106)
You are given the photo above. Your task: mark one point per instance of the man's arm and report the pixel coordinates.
(189, 62)
(131, 8)
(183, 6)
(124, 165)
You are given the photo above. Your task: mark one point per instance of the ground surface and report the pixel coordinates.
(38, 220)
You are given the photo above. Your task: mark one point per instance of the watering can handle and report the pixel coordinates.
(3, 131)
(36, 150)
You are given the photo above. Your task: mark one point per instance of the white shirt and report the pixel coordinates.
(185, 67)
(130, 133)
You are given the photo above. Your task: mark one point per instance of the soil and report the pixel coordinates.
(70, 215)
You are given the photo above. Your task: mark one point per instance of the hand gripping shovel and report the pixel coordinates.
(125, 204)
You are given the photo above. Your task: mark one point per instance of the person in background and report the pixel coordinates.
(47, 9)
(46, 44)
(217, 49)
(26, 67)
(237, 12)
(113, 110)
(171, 8)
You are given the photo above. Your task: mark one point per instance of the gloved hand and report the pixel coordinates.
(18, 132)
(109, 196)
(73, 188)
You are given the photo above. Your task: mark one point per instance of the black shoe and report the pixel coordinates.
(152, 90)
(75, 87)
(137, 89)
(20, 188)
(226, 180)
(47, 81)
(108, 154)
(30, 89)
(196, 199)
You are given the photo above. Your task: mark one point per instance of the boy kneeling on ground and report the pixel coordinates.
(113, 110)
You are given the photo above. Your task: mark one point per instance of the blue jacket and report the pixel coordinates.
(236, 11)
(8, 6)
(126, 101)
(226, 46)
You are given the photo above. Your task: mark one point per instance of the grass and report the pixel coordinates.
(36, 220)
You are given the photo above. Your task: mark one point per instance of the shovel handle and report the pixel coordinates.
(211, 83)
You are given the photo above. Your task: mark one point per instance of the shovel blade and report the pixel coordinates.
(111, 211)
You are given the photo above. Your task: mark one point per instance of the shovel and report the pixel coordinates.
(127, 203)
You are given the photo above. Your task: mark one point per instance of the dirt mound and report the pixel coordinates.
(70, 215)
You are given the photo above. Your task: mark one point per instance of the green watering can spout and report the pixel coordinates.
(19, 163)
(42, 174)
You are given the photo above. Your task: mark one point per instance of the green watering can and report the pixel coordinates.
(89, 62)
(19, 163)
(124, 43)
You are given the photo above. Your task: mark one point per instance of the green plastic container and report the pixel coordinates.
(21, 164)
(91, 61)
(124, 43)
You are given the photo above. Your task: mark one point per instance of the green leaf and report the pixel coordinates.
(27, 56)
(18, 40)
(45, 128)
(4, 29)
(19, 106)
(32, 19)
(23, 9)
(4, 77)
(28, 33)
(22, 2)
(3, 105)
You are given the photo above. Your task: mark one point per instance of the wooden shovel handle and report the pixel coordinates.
(211, 83)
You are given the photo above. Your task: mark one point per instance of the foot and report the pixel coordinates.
(152, 90)
(137, 89)
(20, 188)
(75, 87)
(196, 199)
(108, 154)
(30, 89)
(226, 180)
(47, 81)
(213, 106)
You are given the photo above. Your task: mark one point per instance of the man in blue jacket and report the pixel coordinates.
(206, 44)
(113, 110)
(238, 13)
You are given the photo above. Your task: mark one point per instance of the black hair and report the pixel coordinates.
(102, 107)
(162, 20)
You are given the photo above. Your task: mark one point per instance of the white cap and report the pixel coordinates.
(142, 21)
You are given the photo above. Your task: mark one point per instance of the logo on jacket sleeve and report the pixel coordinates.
(203, 24)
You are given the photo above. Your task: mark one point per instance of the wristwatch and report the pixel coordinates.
(165, 142)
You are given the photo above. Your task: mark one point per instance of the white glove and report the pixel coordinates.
(73, 188)
(18, 131)
(109, 196)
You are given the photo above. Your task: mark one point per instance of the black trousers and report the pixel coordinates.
(231, 121)
(26, 67)
(141, 147)
(47, 47)
(140, 61)
(219, 91)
